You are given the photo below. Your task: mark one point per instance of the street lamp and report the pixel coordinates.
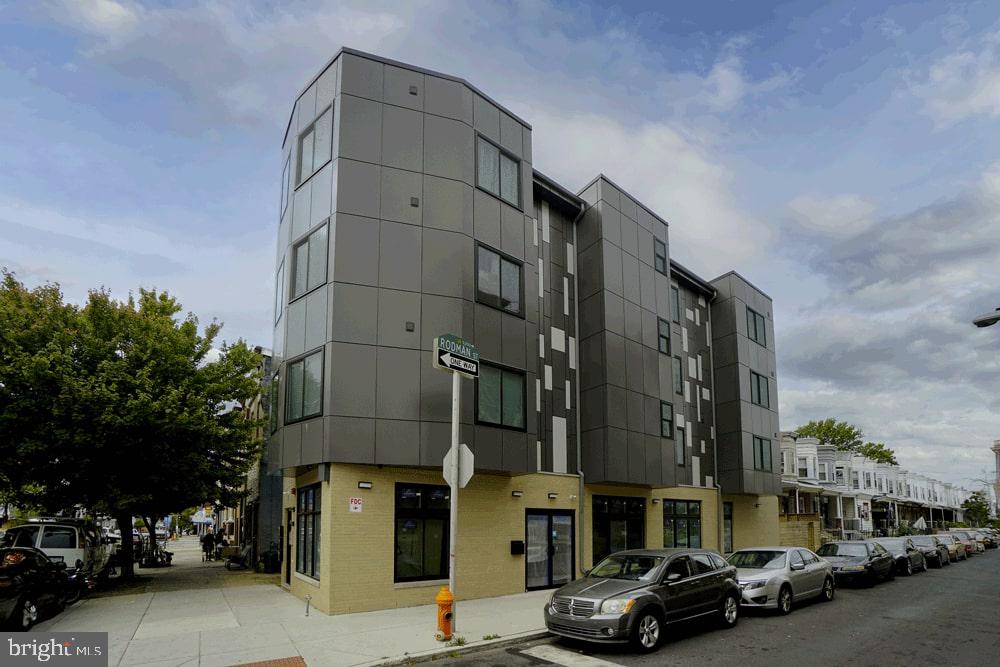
(989, 319)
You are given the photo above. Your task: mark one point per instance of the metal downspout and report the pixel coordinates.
(715, 428)
(579, 439)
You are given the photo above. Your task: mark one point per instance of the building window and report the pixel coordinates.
(678, 376)
(761, 453)
(666, 419)
(680, 453)
(309, 263)
(822, 472)
(498, 281)
(758, 390)
(304, 390)
(803, 468)
(498, 173)
(663, 335)
(619, 524)
(675, 304)
(315, 146)
(272, 408)
(279, 292)
(285, 184)
(682, 524)
(854, 481)
(307, 520)
(756, 327)
(500, 400)
(421, 532)
(660, 256)
(839, 473)
(727, 528)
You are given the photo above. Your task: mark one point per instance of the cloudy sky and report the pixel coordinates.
(846, 159)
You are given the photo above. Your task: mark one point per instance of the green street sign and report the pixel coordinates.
(456, 354)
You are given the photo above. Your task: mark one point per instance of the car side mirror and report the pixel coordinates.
(798, 566)
(672, 577)
(586, 572)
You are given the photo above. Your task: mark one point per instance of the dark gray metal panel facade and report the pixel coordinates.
(736, 355)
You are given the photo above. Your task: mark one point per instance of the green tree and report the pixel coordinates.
(878, 452)
(977, 508)
(829, 431)
(117, 406)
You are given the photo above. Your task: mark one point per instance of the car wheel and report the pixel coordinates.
(730, 612)
(26, 614)
(785, 600)
(828, 590)
(648, 631)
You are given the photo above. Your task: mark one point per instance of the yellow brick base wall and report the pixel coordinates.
(755, 521)
(799, 533)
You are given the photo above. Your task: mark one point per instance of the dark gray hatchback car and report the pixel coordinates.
(631, 595)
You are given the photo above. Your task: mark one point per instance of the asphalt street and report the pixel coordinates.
(948, 617)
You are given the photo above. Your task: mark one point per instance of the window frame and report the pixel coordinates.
(660, 337)
(316, 517)
(286, 185)
(680, 446)
(760, 446)
(756, 327)
(421, 514)
(511, 260)
(301, 180)
(669, 420)
(524, 395)
(678, 373)
(322, 385)
(293, 260)
(657, 256)
(756, 379)
(279, 292)
(501, 151)
(670, 514)
(675, 303)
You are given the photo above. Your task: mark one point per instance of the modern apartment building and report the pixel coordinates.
(622, 402)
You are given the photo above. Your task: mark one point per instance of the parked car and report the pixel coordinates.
(76, 541)
(907, 557)
(858, 560)
(775, 577)
(987, 538)
(631, 595)
(971, 547)
(934, 550)
(978, 540)
(31, 584)
(956, 549)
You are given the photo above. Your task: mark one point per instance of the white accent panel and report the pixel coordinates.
(570, 257)
(548, 377)
(565, 295)
(698, 403)
(690, 438)
(569, 394)
(545, 221)
(702, 446)
(701, 301)
(679, 420)
(538, 454)
(538, 395)
(558, 444)
(697, 316)
(558, 339)
(692, 368)
(684, 339)
(572, 353)
(706, 394)
(541, 346)
(541, 279)
(696, 471)
(534, 229)
(712, 430)
(708, 332)
(687, 391)
(709, 481)
(700, 364)
(688, 313)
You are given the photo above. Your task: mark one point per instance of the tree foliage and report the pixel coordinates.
(878, 452)
(829, 431)
(118, 405)
(977, 508)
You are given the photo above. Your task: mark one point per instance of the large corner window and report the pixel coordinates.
(304, 387)
(663, 335)
(666, 419)
(498, 281)
(761, 453)
(315, 146)
(756, 327)
(619, 524)
(759, 391)
(308, 527)
(309, 263)
(660, 256)
(675, 304)
(678, 376)
(500, 397)
(497, 172)
(681, 524)
(279, 292)
(680, 451)
(421, 540)
(286, 177)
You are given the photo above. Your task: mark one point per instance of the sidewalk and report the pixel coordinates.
(229, 624)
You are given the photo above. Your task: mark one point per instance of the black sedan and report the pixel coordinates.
(906, 555)
(31, 585)
(934, 550)
(863, 560)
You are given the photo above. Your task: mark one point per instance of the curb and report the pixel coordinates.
(470, 648)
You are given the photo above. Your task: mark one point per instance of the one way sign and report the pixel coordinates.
(454, 354)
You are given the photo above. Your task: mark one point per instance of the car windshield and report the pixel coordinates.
(892, 544)
(627, 566)
(924, 540)
(759, 560)
(843, 550)
(946, 538)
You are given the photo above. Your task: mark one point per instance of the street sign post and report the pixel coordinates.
(460, 358)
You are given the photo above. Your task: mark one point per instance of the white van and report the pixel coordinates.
(77, 541)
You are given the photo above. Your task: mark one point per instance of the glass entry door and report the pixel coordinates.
(548, 548)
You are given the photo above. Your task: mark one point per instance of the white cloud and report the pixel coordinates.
(838, 215)
(963, 83)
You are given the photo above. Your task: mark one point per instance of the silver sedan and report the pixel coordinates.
(776, 577)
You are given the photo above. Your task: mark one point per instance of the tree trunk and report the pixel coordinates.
(125, 553)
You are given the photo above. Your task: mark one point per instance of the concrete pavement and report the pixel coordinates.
(196, 613)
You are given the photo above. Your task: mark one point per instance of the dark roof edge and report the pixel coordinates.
(558, 190)
(397, 63)
(621, 189)
(691, 277)
(736, 273)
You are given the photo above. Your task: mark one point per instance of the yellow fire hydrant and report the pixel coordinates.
(445, 602)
